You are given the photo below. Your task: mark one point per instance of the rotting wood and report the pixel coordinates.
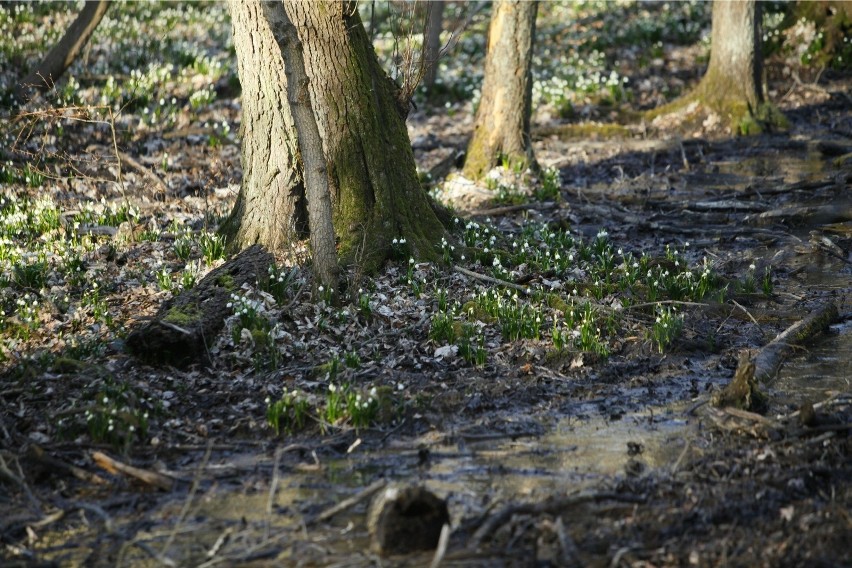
(769, 359)
(37, 454)
(185, 325)
(152, 478)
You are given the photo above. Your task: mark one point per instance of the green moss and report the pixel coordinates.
(474, 311)
(586, 130)
(225, 281)
(557, 303)
(183, 316)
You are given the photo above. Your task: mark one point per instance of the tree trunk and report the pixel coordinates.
(270, 209)
(310, 145)
(432, 43)
(63, 54)
(733, 86)
(502, 128)
(735, 73)
(375, 193)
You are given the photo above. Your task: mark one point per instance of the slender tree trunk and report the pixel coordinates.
(503, 119)
(63, 54)
(375, 193)
(310, 144)
(432, 43)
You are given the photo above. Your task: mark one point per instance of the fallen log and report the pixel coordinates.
(769, 359)
(187, 324)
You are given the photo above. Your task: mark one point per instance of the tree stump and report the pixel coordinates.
(187, 324)
(403, 520)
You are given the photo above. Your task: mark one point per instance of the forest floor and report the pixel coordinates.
(566, 417)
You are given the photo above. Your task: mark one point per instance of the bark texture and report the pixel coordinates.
(63, 54)
(270, 209)
(735, 74)
(503, 119)
(373, 183)
(432, 43)
(310, 145)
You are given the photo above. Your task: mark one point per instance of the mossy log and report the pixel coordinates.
(187, 324)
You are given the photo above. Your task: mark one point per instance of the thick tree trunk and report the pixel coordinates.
(502, 128)
(376, 195)
(735, 74)
(63, 54)
(270, 208)
(432, 41)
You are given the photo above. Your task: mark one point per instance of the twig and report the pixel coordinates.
(751, 317)
(485, 278)
(173, 326)
(38, 454)
(661, 302)
(9, 475)
(150, 477)
(365, 493)
(196, 482)
(441, 550)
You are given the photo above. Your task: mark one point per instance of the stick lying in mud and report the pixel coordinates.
(769, 359)
(150, 477)
(362, 495)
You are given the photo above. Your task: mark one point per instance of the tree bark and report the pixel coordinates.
(735, 73)
(270, 209)
(45, 74)
(502, 128)
(432, 42)
(375, 193)
(310, 145)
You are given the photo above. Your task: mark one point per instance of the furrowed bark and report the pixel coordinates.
(270, 209)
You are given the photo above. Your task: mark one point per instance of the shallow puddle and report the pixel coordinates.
(822, 371)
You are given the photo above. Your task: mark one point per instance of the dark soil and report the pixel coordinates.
(719, 490)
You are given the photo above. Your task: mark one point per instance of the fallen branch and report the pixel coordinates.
(362, 495)
(769, 359)
(150, 477)
(485, 278)
(148, 173)
(496, 211)
(37, 454)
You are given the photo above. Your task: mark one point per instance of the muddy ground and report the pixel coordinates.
(583, 462)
